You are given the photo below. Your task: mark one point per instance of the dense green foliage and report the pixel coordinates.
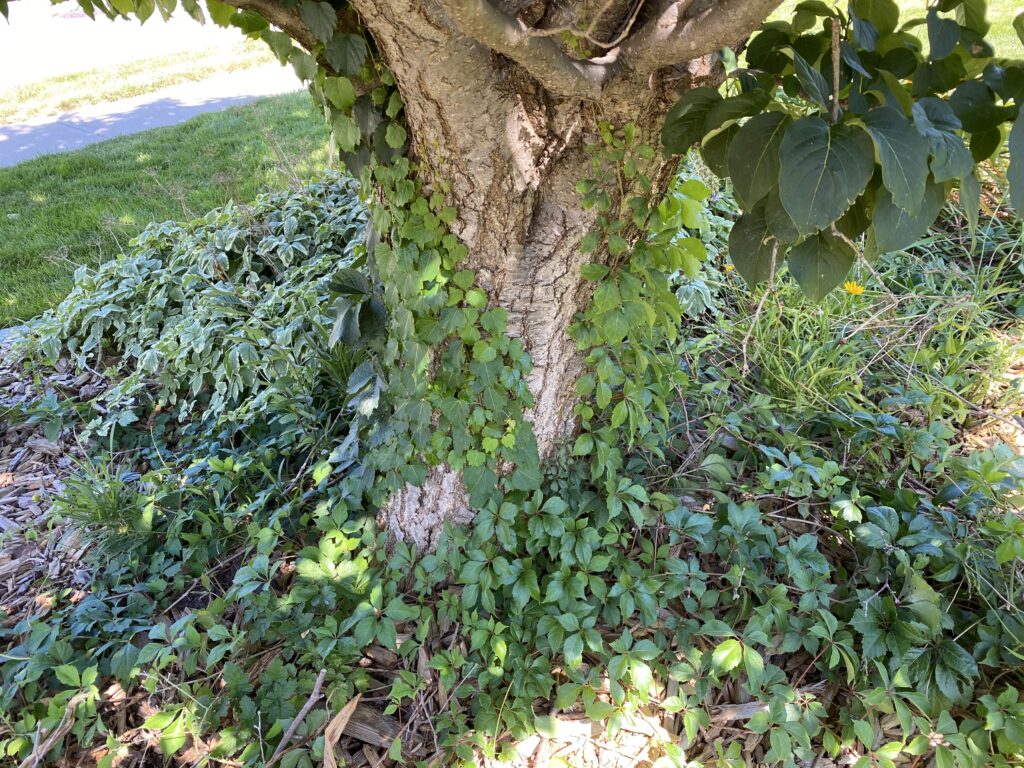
(856, 129)
(834, 551)
(765, 505)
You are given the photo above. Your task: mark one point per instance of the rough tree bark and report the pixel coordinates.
(499, 115)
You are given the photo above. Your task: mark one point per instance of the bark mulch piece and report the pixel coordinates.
(38, 554)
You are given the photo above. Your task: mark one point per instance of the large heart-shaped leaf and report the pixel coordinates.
(820, 263)
(726, 113)
(750, 247)
(894, 228)
(936, 121)
(684, 124)
(321, 18)
(943, 35)
(883, 14)
(975, 106)
(903, 153)
(823, 169)
(346, 53)
(754, 156)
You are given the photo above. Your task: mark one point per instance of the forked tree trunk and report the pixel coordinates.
(508, 154)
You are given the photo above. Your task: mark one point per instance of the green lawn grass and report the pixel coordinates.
(81, 207)
(96, 86)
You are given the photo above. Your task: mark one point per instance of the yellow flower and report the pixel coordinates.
(729, 267)
(853, 288)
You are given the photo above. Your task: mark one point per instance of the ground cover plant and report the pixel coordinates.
(545, 485)
(66, 210)
(841, 549)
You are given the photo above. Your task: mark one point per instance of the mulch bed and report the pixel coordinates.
(37, 554)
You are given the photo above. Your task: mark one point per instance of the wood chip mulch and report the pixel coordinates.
(37, 554)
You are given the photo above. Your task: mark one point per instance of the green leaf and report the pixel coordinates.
(820, 263)
(750, 247)
(754, 156)
(975, 106)
(715, 152)
(173, 737)
(303, 64)
(904, 155)
(1015, 172)
(936, 121)
(480, 483)
(346, 132)
(68, 675)
(320, 18)
(395, 135)
(779, 221)
(684, 124)
(573, 650)
(813, 82)
(346, 53)
(893, 229)
(970, 200)
(1018, 26)
(546, 725)
(884, 15)
(593, 271)
(395, 750)
(159, 721)
(340, 92)
(727, 655)
(726, 113)
(823, 170)
(607, 297)
(943, 35)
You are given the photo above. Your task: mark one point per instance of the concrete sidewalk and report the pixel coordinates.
(171, 106)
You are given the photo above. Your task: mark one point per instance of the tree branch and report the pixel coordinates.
(540, 56)
(287, 20)
(687, 30)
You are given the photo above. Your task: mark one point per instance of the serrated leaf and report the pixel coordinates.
(893, 229)
(346, 53)
(68, 675)
(823, 170)
(903, 153)
(346, 132)
(480, 483)
(320, 17)
(395, 135)
(727, 655)
(684, 124)
(340, 92)
(820, 263)
(750, 247)
(754, 156)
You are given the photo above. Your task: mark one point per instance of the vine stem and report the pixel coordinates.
(835, 70)
(313, 698)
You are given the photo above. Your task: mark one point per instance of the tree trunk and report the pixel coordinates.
(508, 155)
